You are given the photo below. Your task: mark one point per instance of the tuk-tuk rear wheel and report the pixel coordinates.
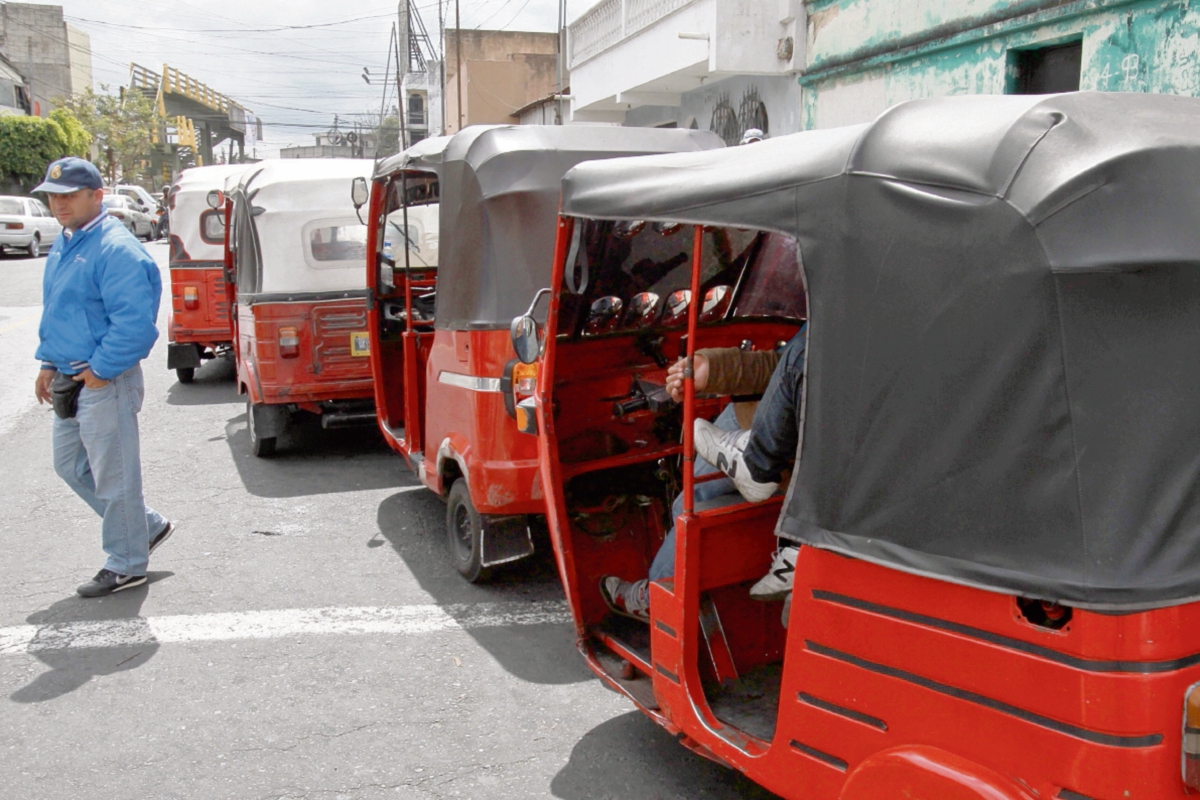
(185, 374)
(464, 530)
(261, 446)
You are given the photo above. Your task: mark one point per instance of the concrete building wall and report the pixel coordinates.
(36, 38)
(707, 107)
(80, 45)
(502, 72)
(866, 55)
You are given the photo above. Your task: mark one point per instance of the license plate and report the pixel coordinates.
(360, 344)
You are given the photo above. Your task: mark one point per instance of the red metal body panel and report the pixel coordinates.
(891, 685)
(324, 368)
(210, 323)
(501, 463)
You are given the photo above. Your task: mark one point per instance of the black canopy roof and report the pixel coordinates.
(500, 190)
(1004, 347)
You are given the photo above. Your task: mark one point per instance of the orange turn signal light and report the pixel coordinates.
(1191, 737)
(289, 343)
(524, 379)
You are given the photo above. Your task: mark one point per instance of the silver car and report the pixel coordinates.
(26, 225)
(131, 215)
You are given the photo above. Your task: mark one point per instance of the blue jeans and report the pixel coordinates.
(98, 454)
(663, 565)
(774, 433)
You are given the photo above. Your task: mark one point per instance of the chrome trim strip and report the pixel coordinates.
(472, 382)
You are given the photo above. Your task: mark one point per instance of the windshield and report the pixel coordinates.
(422, 236)
(9, 206)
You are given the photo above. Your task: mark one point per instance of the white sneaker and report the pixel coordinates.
(724, 450)
(778, 582)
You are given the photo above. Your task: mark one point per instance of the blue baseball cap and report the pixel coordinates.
(70, 174)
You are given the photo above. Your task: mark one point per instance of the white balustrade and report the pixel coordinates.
(611, 21)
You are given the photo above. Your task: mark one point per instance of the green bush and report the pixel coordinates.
(77, 138)
(27, 146)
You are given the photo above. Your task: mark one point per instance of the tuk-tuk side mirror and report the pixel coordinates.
(359, 193)
(215, 198)
(525, 340)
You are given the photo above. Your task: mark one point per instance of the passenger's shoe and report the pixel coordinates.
(627, 599)
(724, 450)
(108, 582)
(778, 581)
(161, 536)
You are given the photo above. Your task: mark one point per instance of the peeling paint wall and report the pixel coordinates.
(866, 55)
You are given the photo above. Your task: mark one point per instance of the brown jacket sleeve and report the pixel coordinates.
(732, 371)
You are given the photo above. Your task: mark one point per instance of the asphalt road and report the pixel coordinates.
(302, 636)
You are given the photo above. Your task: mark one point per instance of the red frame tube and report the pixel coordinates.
(689, 379)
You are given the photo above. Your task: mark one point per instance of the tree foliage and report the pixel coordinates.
(77, 138)
(121, 124)
(27, 146)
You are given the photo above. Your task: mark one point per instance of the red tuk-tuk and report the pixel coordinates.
(446, 384)
(995, 491)
(296, 248)
(200, 325)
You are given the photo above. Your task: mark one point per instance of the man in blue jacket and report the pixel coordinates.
(100, 295)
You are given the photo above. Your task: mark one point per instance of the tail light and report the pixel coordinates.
(14, 226)
(524, 379)
(1191, 737)
(191, 297)
(289, 343)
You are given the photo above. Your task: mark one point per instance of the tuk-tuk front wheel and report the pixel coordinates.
(464, 529)
(257, 422)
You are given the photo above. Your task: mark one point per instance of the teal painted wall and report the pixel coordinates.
(866, 55)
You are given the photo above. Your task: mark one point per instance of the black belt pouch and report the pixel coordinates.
(64, 394)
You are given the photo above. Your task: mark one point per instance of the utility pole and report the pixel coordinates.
(458, 61)
(562, 21)
(403, 55)
(442, 66)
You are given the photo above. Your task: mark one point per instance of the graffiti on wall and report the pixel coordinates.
(730, 124)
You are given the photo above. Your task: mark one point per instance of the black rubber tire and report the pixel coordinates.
(35, 246)
(464, 533)
(186, 374)
(262, 447)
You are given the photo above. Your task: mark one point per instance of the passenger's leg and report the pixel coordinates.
(774, 434)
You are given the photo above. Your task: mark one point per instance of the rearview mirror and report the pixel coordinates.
(215, 198)
(524, 333)
(359, 193)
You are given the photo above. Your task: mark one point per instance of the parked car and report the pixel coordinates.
(27, 225)
(154, 205)
(131, 213)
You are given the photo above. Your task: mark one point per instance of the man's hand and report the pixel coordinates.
(41, 386)
(90, 380)
(675, 376)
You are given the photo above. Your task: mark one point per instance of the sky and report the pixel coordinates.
(293, 63)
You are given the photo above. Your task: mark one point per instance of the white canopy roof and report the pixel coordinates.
(191, 200)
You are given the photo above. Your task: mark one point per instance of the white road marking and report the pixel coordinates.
(396, 620)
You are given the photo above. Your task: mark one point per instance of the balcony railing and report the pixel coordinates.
(613, 20)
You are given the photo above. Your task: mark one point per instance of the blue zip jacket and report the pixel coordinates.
(100, 296)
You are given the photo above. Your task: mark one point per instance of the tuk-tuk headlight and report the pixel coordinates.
(525, 378)
(1191, 737)
(289, 343)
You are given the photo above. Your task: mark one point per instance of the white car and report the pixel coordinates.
(27, 225)
(131, 215)
(149, 203)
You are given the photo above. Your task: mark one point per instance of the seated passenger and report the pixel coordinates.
(731, 371)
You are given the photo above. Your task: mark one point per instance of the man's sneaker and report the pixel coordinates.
(627, 599)
(161, 536)
(107, 582)
(778, 581)
(724, 450)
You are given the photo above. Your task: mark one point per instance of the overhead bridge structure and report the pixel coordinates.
(194, 120)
